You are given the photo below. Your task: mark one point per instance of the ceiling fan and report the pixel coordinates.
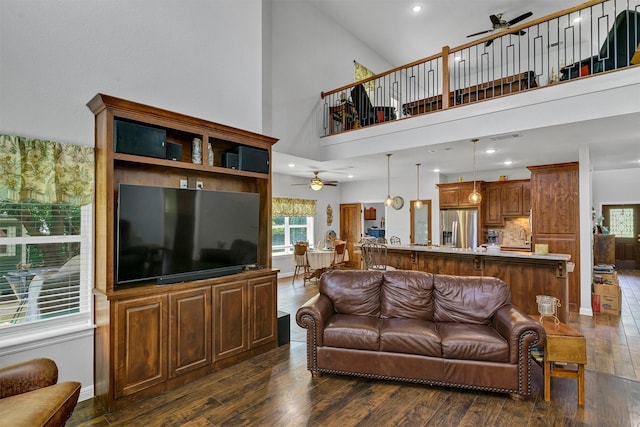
(316, 183)
(500, 25)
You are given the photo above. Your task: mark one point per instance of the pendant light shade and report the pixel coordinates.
(418, 202)
(388, 201)
(474, 196)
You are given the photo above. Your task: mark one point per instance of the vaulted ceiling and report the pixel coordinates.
(400, 35)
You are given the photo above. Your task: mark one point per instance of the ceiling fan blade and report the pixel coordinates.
(519, 33)
(520, 18)
(330, 184)
(488, 43)
(494, 19)
(481, 32)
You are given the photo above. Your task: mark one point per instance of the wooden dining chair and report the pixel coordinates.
(301, 261)
(338, 255)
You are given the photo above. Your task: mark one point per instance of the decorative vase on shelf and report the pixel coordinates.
(209, 154)
(196, 151)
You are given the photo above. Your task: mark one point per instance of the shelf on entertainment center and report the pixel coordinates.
(152, 161)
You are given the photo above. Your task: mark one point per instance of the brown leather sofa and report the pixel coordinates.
(31, 396)
(421, 328)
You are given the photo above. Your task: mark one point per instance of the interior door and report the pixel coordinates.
(624, 222)
(351, 230)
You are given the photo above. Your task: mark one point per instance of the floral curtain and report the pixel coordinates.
(45, 171)
(281, 206)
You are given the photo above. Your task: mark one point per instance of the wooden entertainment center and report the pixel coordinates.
(150, 338)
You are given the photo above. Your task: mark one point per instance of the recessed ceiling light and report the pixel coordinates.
(417, 8)
(291, 165)
(458, 58)
(578, 19)
(436, 170)
(508, 162)
(490, 151)
(350, 176)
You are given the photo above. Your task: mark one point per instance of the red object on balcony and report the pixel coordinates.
(584, 70)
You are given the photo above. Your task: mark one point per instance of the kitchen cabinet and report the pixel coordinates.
(556, 217)
(503, 199)
(370, 214)
(492, 204)
(456, 194)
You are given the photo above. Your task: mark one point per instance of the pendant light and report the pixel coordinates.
(389, 200)
(418, 202)
(474, 196)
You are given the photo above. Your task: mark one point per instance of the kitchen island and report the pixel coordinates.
(527, 274)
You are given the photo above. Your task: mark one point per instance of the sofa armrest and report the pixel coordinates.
(313, 315)
(27, 376)
(521, 332)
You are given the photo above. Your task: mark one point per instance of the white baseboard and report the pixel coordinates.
(86, 393)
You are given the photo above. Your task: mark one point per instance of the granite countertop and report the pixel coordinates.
(481, 252)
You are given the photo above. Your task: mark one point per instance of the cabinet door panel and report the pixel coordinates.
(493, 205)
(401, 260)
(449, 198)
(140, 344)
(263, 318)
(230, 319)
(189, 330)
(512, 199)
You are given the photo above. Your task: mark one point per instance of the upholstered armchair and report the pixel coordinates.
(30, 395)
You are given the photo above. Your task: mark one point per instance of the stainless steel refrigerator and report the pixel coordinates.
(459, 228)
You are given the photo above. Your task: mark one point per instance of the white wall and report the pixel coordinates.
(615, 186)
(176, 55)
(202, 58)
(311, 54)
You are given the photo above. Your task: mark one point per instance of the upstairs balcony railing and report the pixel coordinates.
(594, 37)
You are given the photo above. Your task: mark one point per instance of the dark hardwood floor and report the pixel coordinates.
(275, 389)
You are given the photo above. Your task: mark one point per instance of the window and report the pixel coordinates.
(621, 222)
(45, 263)
(287, 230)
(291, 222)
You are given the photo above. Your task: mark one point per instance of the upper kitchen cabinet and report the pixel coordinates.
(456, 194)
(504, 199)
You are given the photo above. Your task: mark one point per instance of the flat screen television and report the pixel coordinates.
(171, 235)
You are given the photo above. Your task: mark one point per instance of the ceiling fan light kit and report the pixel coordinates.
(500, 25)
(316, 184)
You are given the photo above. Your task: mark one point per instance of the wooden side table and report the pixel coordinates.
(564, 345)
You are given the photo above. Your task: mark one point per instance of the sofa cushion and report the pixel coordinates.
(468, 299)
(413, 336)
(352, 331)
(407, 294)
(353, 291)
(472, 342)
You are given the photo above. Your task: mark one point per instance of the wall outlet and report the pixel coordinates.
(184, 183)
(199, 185)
